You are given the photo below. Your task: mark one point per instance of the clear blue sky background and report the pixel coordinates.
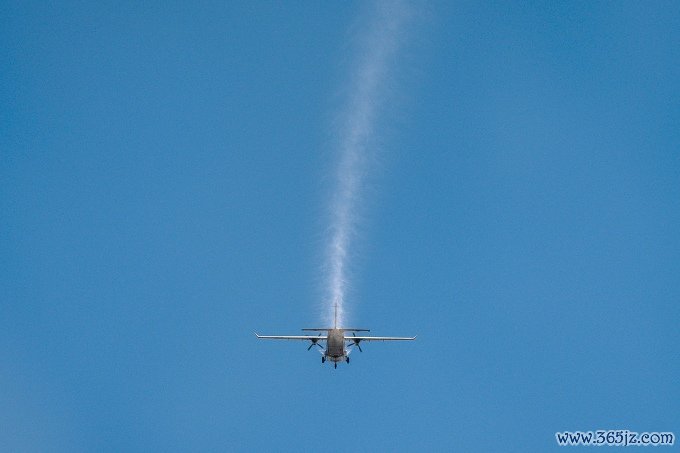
(163, 177)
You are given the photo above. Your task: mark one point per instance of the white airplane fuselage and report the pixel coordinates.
(335, 346)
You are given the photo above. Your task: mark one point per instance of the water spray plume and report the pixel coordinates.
(356, 135)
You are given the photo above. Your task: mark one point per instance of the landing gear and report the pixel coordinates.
(336, 365)
(323, 359)
(347, 359)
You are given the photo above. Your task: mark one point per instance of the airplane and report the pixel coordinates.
(336, 349)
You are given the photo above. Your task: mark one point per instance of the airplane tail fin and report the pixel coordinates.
(335, 325)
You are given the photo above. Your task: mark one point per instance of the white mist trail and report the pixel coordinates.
(357, 134)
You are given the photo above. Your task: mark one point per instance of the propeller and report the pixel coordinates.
(356, 342)
(315, 342)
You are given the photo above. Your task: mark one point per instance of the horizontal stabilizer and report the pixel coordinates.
(325, 329)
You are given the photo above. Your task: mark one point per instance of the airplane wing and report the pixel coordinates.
(313, 338)
(357, 339)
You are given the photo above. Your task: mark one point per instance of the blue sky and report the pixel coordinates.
(164, 183)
